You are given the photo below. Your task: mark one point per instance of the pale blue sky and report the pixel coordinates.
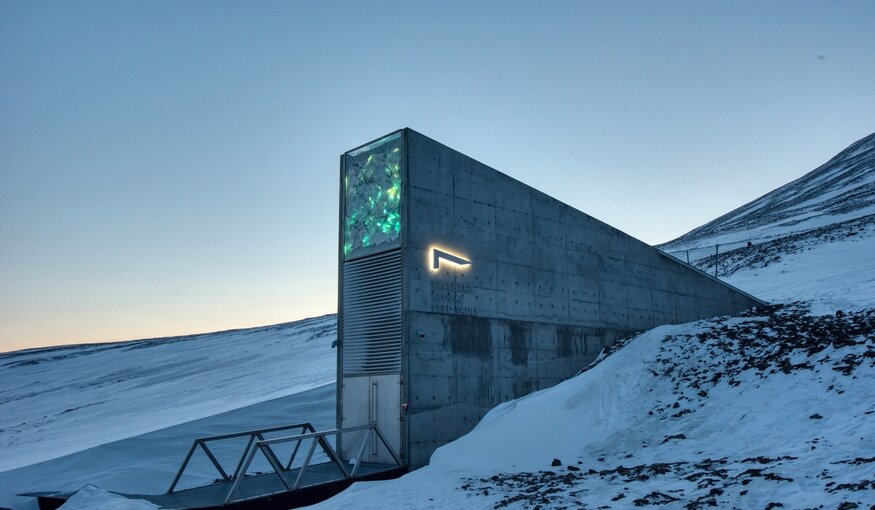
(171, 167)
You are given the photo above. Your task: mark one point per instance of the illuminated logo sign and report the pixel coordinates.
(438, 256)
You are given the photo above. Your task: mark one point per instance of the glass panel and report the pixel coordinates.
(372, 194)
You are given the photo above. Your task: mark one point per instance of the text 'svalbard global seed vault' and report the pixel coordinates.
(461, 288)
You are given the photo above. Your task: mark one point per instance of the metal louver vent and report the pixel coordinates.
(372, 314)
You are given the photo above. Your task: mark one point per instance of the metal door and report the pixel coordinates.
(370, 349)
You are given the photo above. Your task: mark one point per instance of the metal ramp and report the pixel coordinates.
(289, 485)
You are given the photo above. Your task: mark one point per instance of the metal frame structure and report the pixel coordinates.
(257, 442)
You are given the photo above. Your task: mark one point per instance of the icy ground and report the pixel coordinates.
(91, 497)
(146, 463)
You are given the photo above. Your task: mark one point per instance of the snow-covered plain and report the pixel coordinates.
(52, 399)
(100, 413)
(146, 463)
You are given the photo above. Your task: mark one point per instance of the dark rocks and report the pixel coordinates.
(773, 342)
(777, 340)
(655, 498)
(857, 461)
(675, 436)
(770, 252)
(862, 485)
(704, 484)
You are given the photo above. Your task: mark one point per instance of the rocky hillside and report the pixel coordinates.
(841, 189)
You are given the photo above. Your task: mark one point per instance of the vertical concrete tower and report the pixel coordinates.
(460, 288)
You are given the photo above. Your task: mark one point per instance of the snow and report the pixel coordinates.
(834, 276)
(798, 223)
(147, 463)
(51, 399)
(93, 498)
(841, 189)
(752, 435)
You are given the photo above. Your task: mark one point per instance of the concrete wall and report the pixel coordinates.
(548, 287)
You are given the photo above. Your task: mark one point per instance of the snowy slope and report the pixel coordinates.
(811, 239)
(147, 463)
(775, 408)
(57, 401)
(829, 276)
(841, 189)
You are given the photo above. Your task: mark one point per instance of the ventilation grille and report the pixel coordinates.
(372, 314)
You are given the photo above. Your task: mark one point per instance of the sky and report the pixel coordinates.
(170, 168)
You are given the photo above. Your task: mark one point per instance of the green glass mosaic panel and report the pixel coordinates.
(372, 194)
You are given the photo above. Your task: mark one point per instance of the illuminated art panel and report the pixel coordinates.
(372, 197)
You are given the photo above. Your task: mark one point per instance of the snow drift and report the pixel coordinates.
(772, 409)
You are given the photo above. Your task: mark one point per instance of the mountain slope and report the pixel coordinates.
(799, 240)
(843, 188)
(830, 275)
(57, 401)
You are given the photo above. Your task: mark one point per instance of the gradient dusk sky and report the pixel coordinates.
(171, 167)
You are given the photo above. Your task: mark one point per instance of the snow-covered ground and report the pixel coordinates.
(90, 497)
(838, 275)
(146, 463)
(78, 414)
(51, 400)
(774, 408)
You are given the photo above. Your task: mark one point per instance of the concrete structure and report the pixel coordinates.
(470, 288)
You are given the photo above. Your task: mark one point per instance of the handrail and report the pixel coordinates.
(254, 435)
(257, 431)
(319, 438)
(330, 432)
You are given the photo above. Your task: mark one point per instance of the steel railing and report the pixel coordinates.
(254, 435)
(257, 442)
